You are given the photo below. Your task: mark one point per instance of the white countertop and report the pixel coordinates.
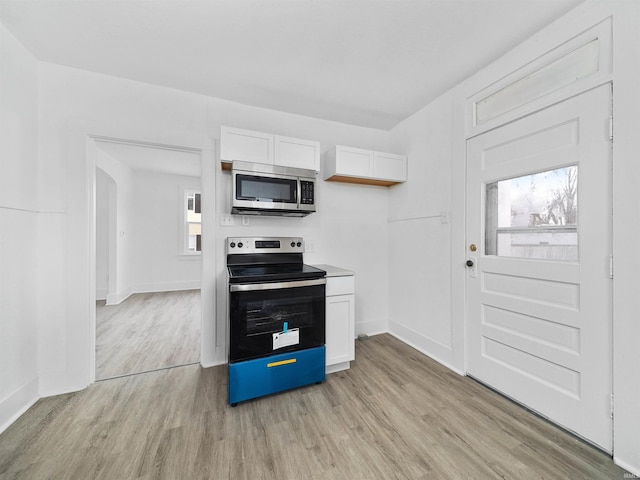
(335, 271)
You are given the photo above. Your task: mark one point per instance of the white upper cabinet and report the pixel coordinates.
(245, 145)
(259, 147)
(294, 152)
(354, 162)
(390, 166)
(356, 165)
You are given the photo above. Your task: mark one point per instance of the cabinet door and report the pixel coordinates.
(340, 329)
(293, 152)
(355, 162)
(245, 145)
(389, 166)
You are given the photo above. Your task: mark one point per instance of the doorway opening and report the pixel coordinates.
(148, 261)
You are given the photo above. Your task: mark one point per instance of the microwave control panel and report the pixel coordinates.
(307, 193)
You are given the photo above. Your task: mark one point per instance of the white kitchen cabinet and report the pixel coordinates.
(389, 166)
(340, 318)
(357, 165)
(350, 161)
(245, 145)
(295, 152)
(266, 148)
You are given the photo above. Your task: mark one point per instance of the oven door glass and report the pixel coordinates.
(255, 316)
(256, 188)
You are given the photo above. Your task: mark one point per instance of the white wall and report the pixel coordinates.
(420, 276)
(125, 256)
(18, 228)
(349, 229)
(435, 140)
(104, 187)
(158, 228)
(153, 210)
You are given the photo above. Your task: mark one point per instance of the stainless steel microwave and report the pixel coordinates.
(260, 189)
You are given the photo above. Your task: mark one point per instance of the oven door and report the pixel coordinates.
(258, 311)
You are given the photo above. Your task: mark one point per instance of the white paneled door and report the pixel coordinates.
(538, 263)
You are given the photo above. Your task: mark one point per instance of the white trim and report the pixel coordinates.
(190, 256)
(372, 327)
(213, 363)
(81, 298)
(626, 177)
(337, 367)
(116, 299)
(458, 234)
(18, 402)
(437, 350)
(427, 353)
(602, 32)
(167, 287)
(630, 468)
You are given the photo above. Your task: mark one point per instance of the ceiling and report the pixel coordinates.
(361, 62)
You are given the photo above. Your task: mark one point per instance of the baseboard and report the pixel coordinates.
(211, 364)
(633, 469)
(119, 297)
(58, 382)
(214, 358)
(14, 405)
(435, 350)
(337, 367)
(371, 328)
(167, 286)
(102, 294)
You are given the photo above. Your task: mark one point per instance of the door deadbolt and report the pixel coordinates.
(469, 263)
(473, 247)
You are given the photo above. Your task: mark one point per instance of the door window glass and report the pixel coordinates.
(570, 68)
(534, 216)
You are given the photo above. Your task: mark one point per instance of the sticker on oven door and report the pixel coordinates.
(284, 339)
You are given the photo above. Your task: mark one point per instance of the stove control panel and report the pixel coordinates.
(240, 245)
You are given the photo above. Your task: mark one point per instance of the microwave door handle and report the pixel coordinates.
(298, 191)
(248, 287)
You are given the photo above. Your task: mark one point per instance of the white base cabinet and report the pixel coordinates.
(340, 322)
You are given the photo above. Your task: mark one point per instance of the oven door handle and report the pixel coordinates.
(248, 287)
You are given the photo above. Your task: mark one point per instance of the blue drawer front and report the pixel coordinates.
(276, 373)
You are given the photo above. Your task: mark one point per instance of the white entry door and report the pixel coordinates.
(538, 263)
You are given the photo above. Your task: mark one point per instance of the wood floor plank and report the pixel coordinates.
(146, 332)
(396, 414)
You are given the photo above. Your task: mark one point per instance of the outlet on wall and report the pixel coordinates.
(227, 221)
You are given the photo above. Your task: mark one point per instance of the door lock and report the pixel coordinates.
(473, 247)
(469, 263)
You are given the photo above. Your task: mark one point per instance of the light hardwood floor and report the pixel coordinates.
(395, 414)
(146, 332)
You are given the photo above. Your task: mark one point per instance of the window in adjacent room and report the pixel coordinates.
(193, 225)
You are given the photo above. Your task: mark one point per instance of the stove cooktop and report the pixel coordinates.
(273, 272)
